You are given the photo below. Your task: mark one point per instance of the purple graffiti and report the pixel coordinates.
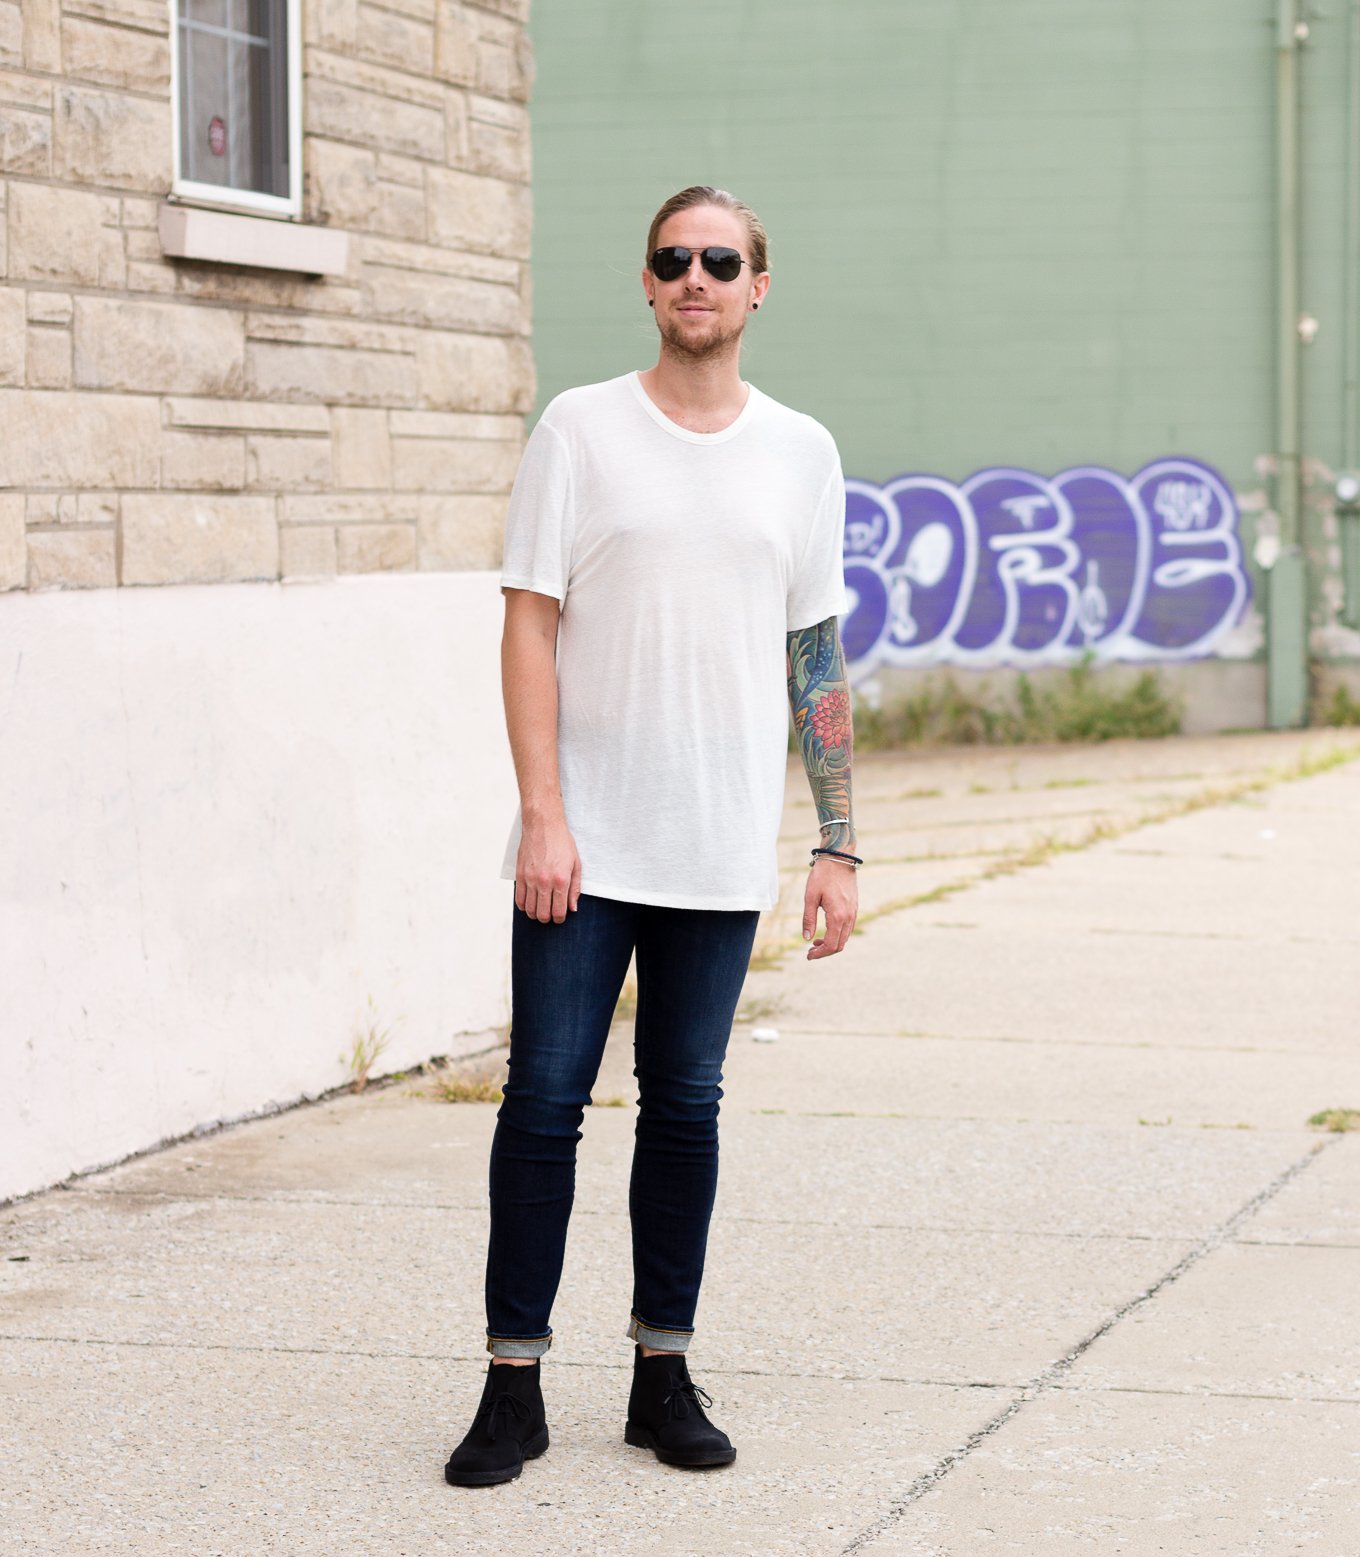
(1012, 568)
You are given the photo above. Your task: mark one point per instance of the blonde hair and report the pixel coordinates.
(705, 194)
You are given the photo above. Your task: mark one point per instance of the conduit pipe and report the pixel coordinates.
(1286, 610)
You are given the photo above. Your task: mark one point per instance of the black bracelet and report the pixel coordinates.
(838, 854)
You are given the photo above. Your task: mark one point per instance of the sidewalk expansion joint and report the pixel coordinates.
(1051, 1376)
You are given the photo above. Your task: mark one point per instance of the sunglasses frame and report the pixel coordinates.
(705, 254)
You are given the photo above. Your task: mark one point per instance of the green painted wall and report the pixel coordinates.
(1028, 231)
(1031, 232)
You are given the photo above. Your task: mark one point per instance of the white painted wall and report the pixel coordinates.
(228, 815)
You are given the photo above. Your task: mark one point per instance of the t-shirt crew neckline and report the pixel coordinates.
(684, 433)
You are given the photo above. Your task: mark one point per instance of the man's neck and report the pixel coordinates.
(710, 387)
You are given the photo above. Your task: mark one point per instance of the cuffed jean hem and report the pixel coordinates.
(662, 1340)
(517, 1346)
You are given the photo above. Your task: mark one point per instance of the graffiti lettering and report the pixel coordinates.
(1012, 568)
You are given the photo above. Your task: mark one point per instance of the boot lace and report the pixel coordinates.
(680, 1394)
(514, 1407)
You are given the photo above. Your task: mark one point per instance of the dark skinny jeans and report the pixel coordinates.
(565, 983)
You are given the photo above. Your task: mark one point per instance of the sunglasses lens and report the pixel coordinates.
(722, 264)
(667, 264)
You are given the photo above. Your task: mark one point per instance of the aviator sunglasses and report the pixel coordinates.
(671, 263)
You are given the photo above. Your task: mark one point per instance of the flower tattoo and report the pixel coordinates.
(831, 718)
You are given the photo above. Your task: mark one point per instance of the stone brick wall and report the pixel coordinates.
(169, 421)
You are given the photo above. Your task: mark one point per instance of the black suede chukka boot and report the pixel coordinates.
(666, 1414)
(508, 1429)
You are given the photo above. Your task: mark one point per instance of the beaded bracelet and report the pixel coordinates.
(839, 854)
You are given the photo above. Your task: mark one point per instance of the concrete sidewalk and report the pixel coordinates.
(1023, 1243)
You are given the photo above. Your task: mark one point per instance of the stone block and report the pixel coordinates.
(182, 538)
(72, 559)
(455, 43)
(454, 465)
(136, 211)
(25, 141)
(49, 307)
(111, 139)
(429, 257)
(11, 34)
(54, 233)
(112, 259)
(362, 448)
(146, 15)
(335, 109)
(498, 138)
(279, 463)
(158, 347)
(246, 415)
(517, 10)
(96, 508)
(11, 335)
(149, 276)
(331, 24)
(462, 532)
(61, 438)
(48, 363)
(376, 548)
(475, 372)
(307, 551)
(393, 169)
(342, 508)
(336, 375)
(114, 56)
(203, 461)
(472, 211)
(42, 35)
(444, 302)
(456, 143)
(404, 42)
(13, 542)
(455, 424)
(347, 191)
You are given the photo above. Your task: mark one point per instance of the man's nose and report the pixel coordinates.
(695, 271)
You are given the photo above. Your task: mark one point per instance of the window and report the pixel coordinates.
(235, 84)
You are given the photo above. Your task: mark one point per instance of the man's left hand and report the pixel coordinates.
(832, 887)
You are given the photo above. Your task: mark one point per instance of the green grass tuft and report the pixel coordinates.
(1081, 706)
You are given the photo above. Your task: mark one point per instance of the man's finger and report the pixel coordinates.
(811, 901)
(559, 903)
(575, 890)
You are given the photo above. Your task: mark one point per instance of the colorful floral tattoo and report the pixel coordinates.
(819, 695)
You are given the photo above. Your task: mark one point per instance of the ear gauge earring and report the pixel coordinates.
(754, 306)
(651, 302)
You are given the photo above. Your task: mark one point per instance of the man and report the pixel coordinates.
(672, 574)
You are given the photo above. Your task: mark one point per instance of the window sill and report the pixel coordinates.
(190, 232)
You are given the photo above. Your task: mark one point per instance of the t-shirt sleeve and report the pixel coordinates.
(541, 520)
(818, 587)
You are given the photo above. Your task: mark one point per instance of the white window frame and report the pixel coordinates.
(219, 195)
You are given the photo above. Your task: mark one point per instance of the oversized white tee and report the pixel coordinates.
(681, 561)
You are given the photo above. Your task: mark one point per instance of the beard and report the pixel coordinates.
(695, 347)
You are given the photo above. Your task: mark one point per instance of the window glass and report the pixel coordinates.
(233, 108)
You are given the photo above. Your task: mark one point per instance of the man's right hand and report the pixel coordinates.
(547, 873)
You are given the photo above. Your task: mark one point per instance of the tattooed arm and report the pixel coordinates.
(819, 696)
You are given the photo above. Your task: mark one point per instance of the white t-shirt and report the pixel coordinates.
(681, 560)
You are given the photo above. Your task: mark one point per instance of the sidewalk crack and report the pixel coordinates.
(1057, 1370)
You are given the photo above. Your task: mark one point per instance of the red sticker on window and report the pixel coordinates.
(217, 135)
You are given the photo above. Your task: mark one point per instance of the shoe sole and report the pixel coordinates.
(642, 1438)
(532, 1449)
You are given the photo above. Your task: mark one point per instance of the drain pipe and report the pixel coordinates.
(1286, 606)
(1350, 402)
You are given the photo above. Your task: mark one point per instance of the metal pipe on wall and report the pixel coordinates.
(1286, 607)
(1350, 318)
